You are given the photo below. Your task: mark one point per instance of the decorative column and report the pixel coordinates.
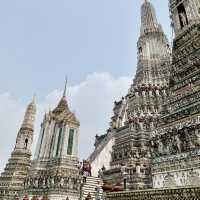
(49, 138)
(64, 141)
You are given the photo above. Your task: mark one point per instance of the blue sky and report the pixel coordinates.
(41, 41)
(93, 42)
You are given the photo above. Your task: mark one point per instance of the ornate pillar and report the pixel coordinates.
(64, 141)
(55, 141)
(45, 139)
(49, 138)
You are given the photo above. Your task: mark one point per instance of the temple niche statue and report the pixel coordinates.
(160, 147)
(182, 14)
(178, 143)
(169, 181)
(183, 18)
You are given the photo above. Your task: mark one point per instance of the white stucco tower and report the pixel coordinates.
(16, 170)
(54, 172)
(131, 153)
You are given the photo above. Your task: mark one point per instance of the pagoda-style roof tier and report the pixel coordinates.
(63, 113)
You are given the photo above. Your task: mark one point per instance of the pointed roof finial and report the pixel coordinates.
(65, 88)
(149, 21)
(34, 99)
(29, 117)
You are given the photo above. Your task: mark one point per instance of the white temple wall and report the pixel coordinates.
(103, 158)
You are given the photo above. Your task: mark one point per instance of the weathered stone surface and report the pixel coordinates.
(131, 153)
(176, 143)
(190, 193)
(54, 171)
(16, 170)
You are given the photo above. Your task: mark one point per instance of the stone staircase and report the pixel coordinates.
(89, 187)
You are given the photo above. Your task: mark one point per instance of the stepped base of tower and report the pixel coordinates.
(131, 162)
(187, 193)
(10, 195)
(127, 179)
(56, 179)
(177, 171)
(90, 187)
(67, 187)
(12, 179)
(55, 196)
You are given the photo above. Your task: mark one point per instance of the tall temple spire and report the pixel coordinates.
(63, 104)
(29, 117)
(12, 179)
(143, 106)
(149, 21)
(153, 48)
(25, 135)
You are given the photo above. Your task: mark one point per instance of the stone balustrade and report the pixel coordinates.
(189, 193)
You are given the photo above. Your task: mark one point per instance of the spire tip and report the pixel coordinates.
(65, 88)
(34, 98)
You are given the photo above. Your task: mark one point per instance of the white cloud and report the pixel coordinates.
(91, 100)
